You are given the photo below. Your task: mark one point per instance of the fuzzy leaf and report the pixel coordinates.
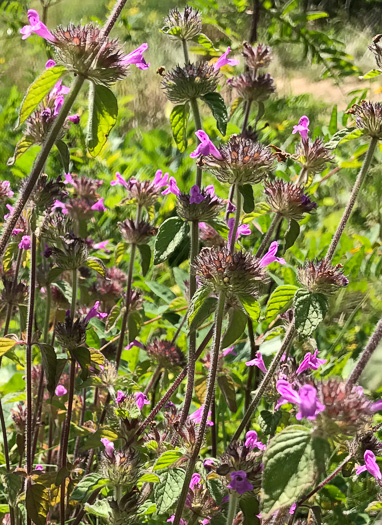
(268, 421)
(251, 306)
(113, 317)
(12, 248)
(82, 355)
(145, 251)
(120, 251)
(197, 301)
(227, 386)
(166, 459)
(134, 324)
(280, 300)
(5, 345)
(204, 41)
(217, 105)
(249, 202)
(206, 309)
(292, 233)
(64, 152)
(37, 503)
(96, 264)
(103, 111)
(310, 309)
(170, 235)
(201, 389)
(21, 147)
(49, 364)
(149, 478)
(236, 326)
(101, 508)
(168, 490)
(87, 486)
(178, 119)
(339, 137)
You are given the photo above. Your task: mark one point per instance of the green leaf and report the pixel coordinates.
(217, 105)
(178, 119)
(87, 486)
(63, 150)
(92, 338)
(249, 202)
(49, 364)
(120, 251)
(280, 300)
(12, 248)
(174, 31)
(333, 121)
(227, 386)
(269, 421)
(302, 459)
(5, 345)
(162, 291)
(251, 306)
(166, 459)
(236, 326)
(249, 505)
(339, 137)
(170, 235)
(206, 309)
(149, 478)
(21, 147)
(310, 309)
(82, 355)
(113, 317)
(316, 15)
(100, 508)
(292, 233)
(38, 90)
(134, 324)
(96, 264)
(168, 490)
(37, 503)
(103, 111)
(371, 74)
(65, 288)
(145, 251)
(53, 274)
(204, 41)
(197, 301)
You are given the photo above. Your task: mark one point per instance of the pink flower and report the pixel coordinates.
(50, 63)
(302, 127)
(310, 361)
(120, 396)
(206, 147)
(229, 350)
(60, 390)
(10, 208)
(93, 312)
(210, 190)
(172, 188)
(196, 197)
(134, 343)
(293, 508)
(39, 467)
(119, 180)
(239, 482)
(74, 118)
(270, 256)
(258, 361)
(141, 400)
(197, 416)
(371, 465)
(224, 61)
(36, 27)
(160, 180)
(195, 480)
(100, 245)
(377, 406)
(109, 446)
(25, 242)
(305, 398)
(243, 229)
(136, 57)
(252, 442)
(208, 464)
(6, 188)
(99, 205)
(172, 518)
(58, 204)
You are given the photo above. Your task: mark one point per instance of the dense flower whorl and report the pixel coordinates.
(166, 353)
(243, 161)
(312, 155)
(322, 277)
(257, 57)
(134, 233)
(204, 208)
(288, 199)
(191, 81)
(122, 468)
(71, 253)
(235, 273)
(368, 117)
(145, 192)
(183, 25)
(253, 87)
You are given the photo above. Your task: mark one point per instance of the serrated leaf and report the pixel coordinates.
(236, 326)
(170, 235)
(65, 288)
(145, 251)
(251, 306)
(166, 459)
(38, 90)
(269, 421)
(204, 41)
(249, 202)
(206, 309)
(168, 490)
(340, 136)
(103, 111)
(82, 355)
(22, 146)
(173, 31)
(101, 508)
(227, 386)
(37, 503)
(217, 105)
(134, 324)
(149, 478)
(63, 150)
(292, 233)
(371, 74)
(112, 318)
(5, 345)
(197, 301)
(49, 364)
(178, 120)
(310, 309)
(53, 274)
(96, 357)
(87, 486)
(280, 300)
(96, 264)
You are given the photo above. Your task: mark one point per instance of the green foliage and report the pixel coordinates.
(168, 490)
(310, 309)
(217, 105)
(178, 119)
(103, 111)
(170, 235)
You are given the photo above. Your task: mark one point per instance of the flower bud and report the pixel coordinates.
(72, 254)
(288, 199)
(253, 87)
(71, 334)
(189, 82)
(322, 277)
(139, 233)
(183, 25)
(122, 468)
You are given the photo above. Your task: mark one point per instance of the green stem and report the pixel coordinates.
(185, 52)
(233, 501)
(302, 175)
(237, 218)
(246, 115)
(74, 293)
(198, 125)
(266, 240)
(219, 316)
(353, 197)
(372, 344)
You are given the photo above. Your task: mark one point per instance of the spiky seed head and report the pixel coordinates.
(313, 155)
(46, 192)
(166, 354)
(288, 199)
(183, 25)
(322, 277)
(123, 468)
(112, 285)
(243, 161)
(189, 82)
(253, 87)
(257, 57)
(145, 192)
(209, 208)
(134, 233)
(40, 122)
(55, 227)
(376, 48)
(368, 118)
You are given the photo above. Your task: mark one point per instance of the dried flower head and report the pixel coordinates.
(46, 192)
(368, 117)
(253, 87)
(183, 25)
(122, 468)
(189, 82)
(134, 233)
(200, 502)
(71, 253)
(312, 155)
(288, 199)
(199, 205)
(166, 354)
(144, 193)
(322, 277)
(112, 285)
(242, 161)
(54, 228)
(235, 273)
(376, 48)
(71, 334)
(257, 57)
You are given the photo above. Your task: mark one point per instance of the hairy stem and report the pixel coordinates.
(252, 372)
(232, 508)
(289, 336)
(237, 218)
(372, 344)
(266, 240)
(82, 421)
(353, 197)
(153, 379)
(113, 17)
(246, 115)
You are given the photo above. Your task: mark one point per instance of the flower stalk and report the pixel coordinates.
(232, 507)
(372, 344)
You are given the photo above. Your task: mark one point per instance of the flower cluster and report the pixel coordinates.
(288, 199)
(322, 277)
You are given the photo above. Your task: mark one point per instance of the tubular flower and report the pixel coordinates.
(224, 61)
(183, 25)
(109, 447)
(243, 229)
(322, 277)
(199, 205)
(172, 188)
(99, 205)
(302, 127)
(239, 482)
(270, 256)
(252, 442)
(25, 243)
(136, 57)
(310, 361)
(206, 146)
(36, 26)
(305, 398)
(288, 199)
(141, 400)
(253, 87)
(60, 390)
(259, 362)
(370, 465)
(5, 189)
(191, 81)
(197, 416)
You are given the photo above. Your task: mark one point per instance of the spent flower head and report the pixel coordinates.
(313, 156)
(166, 354)
(134, 233)
(199, 205)
(368, 118)
(257, 57)
(253, 87)
(322, 277)
(288, 199)
(189, 82)
(145, 193)
(183, 25)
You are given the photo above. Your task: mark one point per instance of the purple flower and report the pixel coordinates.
(50, 63)
(25, 242)
(293, 508)
(258, 361)
(172, 518)
(141, 399)
(36, 27)
(95, 313)
(310, 361)
(252, 442)
(228, 350)
(197, 416)
(99, 205)
(109, 447)
(305, 398)
(172, 188)
(6, 189)
(68, 179)
(206, 147)
(120, 396)
(196, 197)
(160, 180)
(10, 209)
(371, 465)
(377, 406)
(119, 180)
(134, 343)
(302, 127)
(195, 480)
(208, 464)
(39, 467)
(136, 57)
(231, 208)
(239, 482)
(60, 390)
(224, 61)
(58, 105)
(101, 245)
(243, 229)
(58, 204)
(270, 256)
(74, 118)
